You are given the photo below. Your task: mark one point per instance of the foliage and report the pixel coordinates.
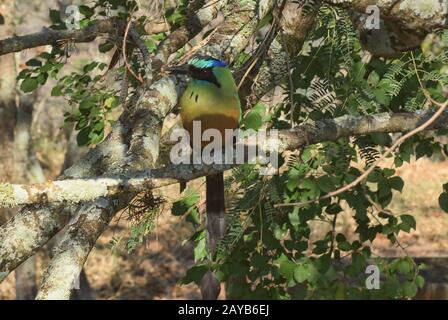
(269, 252)
(86, 89)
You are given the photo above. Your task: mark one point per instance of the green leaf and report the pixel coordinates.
(301, 273)
(340, 237)
(151, 45)
(396, 183)
(83, 136)
(42, 78)
(443, 201)
(407, 223)
(195, 274)
(193, 217)
(382, 139)
(420, 281)
(254, 119)
(294, 217)
(445, 187)
(29, 84)
(326, 184)
(200, 251)
(34, 63)
(344, 246)
(405, 267)
(287, 268)
(23, 74)
(383, 188)
(312, 186)
(86, 11)
(181, 207)
(55, 16)
(382, 96)
(96, 136)
(388, 229)
(111, 102)
(89, 67)
(86, 105)
(373, 79)
(105, 47)
(409, 289)
(334, 208)
(56, 91)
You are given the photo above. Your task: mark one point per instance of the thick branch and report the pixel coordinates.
(404, 24)
(417, 15)
(71, 253)
(50, 36)
(77, 190)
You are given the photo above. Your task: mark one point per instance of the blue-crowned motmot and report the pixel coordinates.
(211, 97)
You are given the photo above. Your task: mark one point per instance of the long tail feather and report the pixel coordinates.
(182, 186)
(215, 207)
(216, 228)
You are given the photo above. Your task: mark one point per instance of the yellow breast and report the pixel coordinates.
(213, 109)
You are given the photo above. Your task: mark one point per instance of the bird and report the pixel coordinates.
(211, 97)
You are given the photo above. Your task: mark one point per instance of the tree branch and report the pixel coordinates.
(403, 24)
(71, 253)
(50, 37)
(81, 190)
(421, 16)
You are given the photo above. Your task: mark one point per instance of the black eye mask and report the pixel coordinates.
(204, 74)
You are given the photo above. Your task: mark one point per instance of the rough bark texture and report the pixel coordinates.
(50, 37)
(26, 169)
(69, 256)
(88, 189)
(17, 159)
(26, 232)
(419, 15)
(7, 96)
(404, 23)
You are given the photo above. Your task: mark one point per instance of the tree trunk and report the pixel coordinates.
(15, 143)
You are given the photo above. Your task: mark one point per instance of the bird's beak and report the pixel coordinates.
(181, 69)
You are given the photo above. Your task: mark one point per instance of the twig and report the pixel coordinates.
(194, 49)
(378, 208)
(291, 91)
(333, 233)
(442, 107)
(262, 48)
(128, 66)
(124, 88)
(426, 124)
(144, 51)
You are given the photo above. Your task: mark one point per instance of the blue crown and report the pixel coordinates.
(206, 62)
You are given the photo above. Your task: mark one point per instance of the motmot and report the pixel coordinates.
(211, 97)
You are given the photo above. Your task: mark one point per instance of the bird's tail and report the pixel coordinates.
(216, 228)
(182, 186)
(215, 207)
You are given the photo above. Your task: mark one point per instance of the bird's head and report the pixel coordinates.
(201, 68)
